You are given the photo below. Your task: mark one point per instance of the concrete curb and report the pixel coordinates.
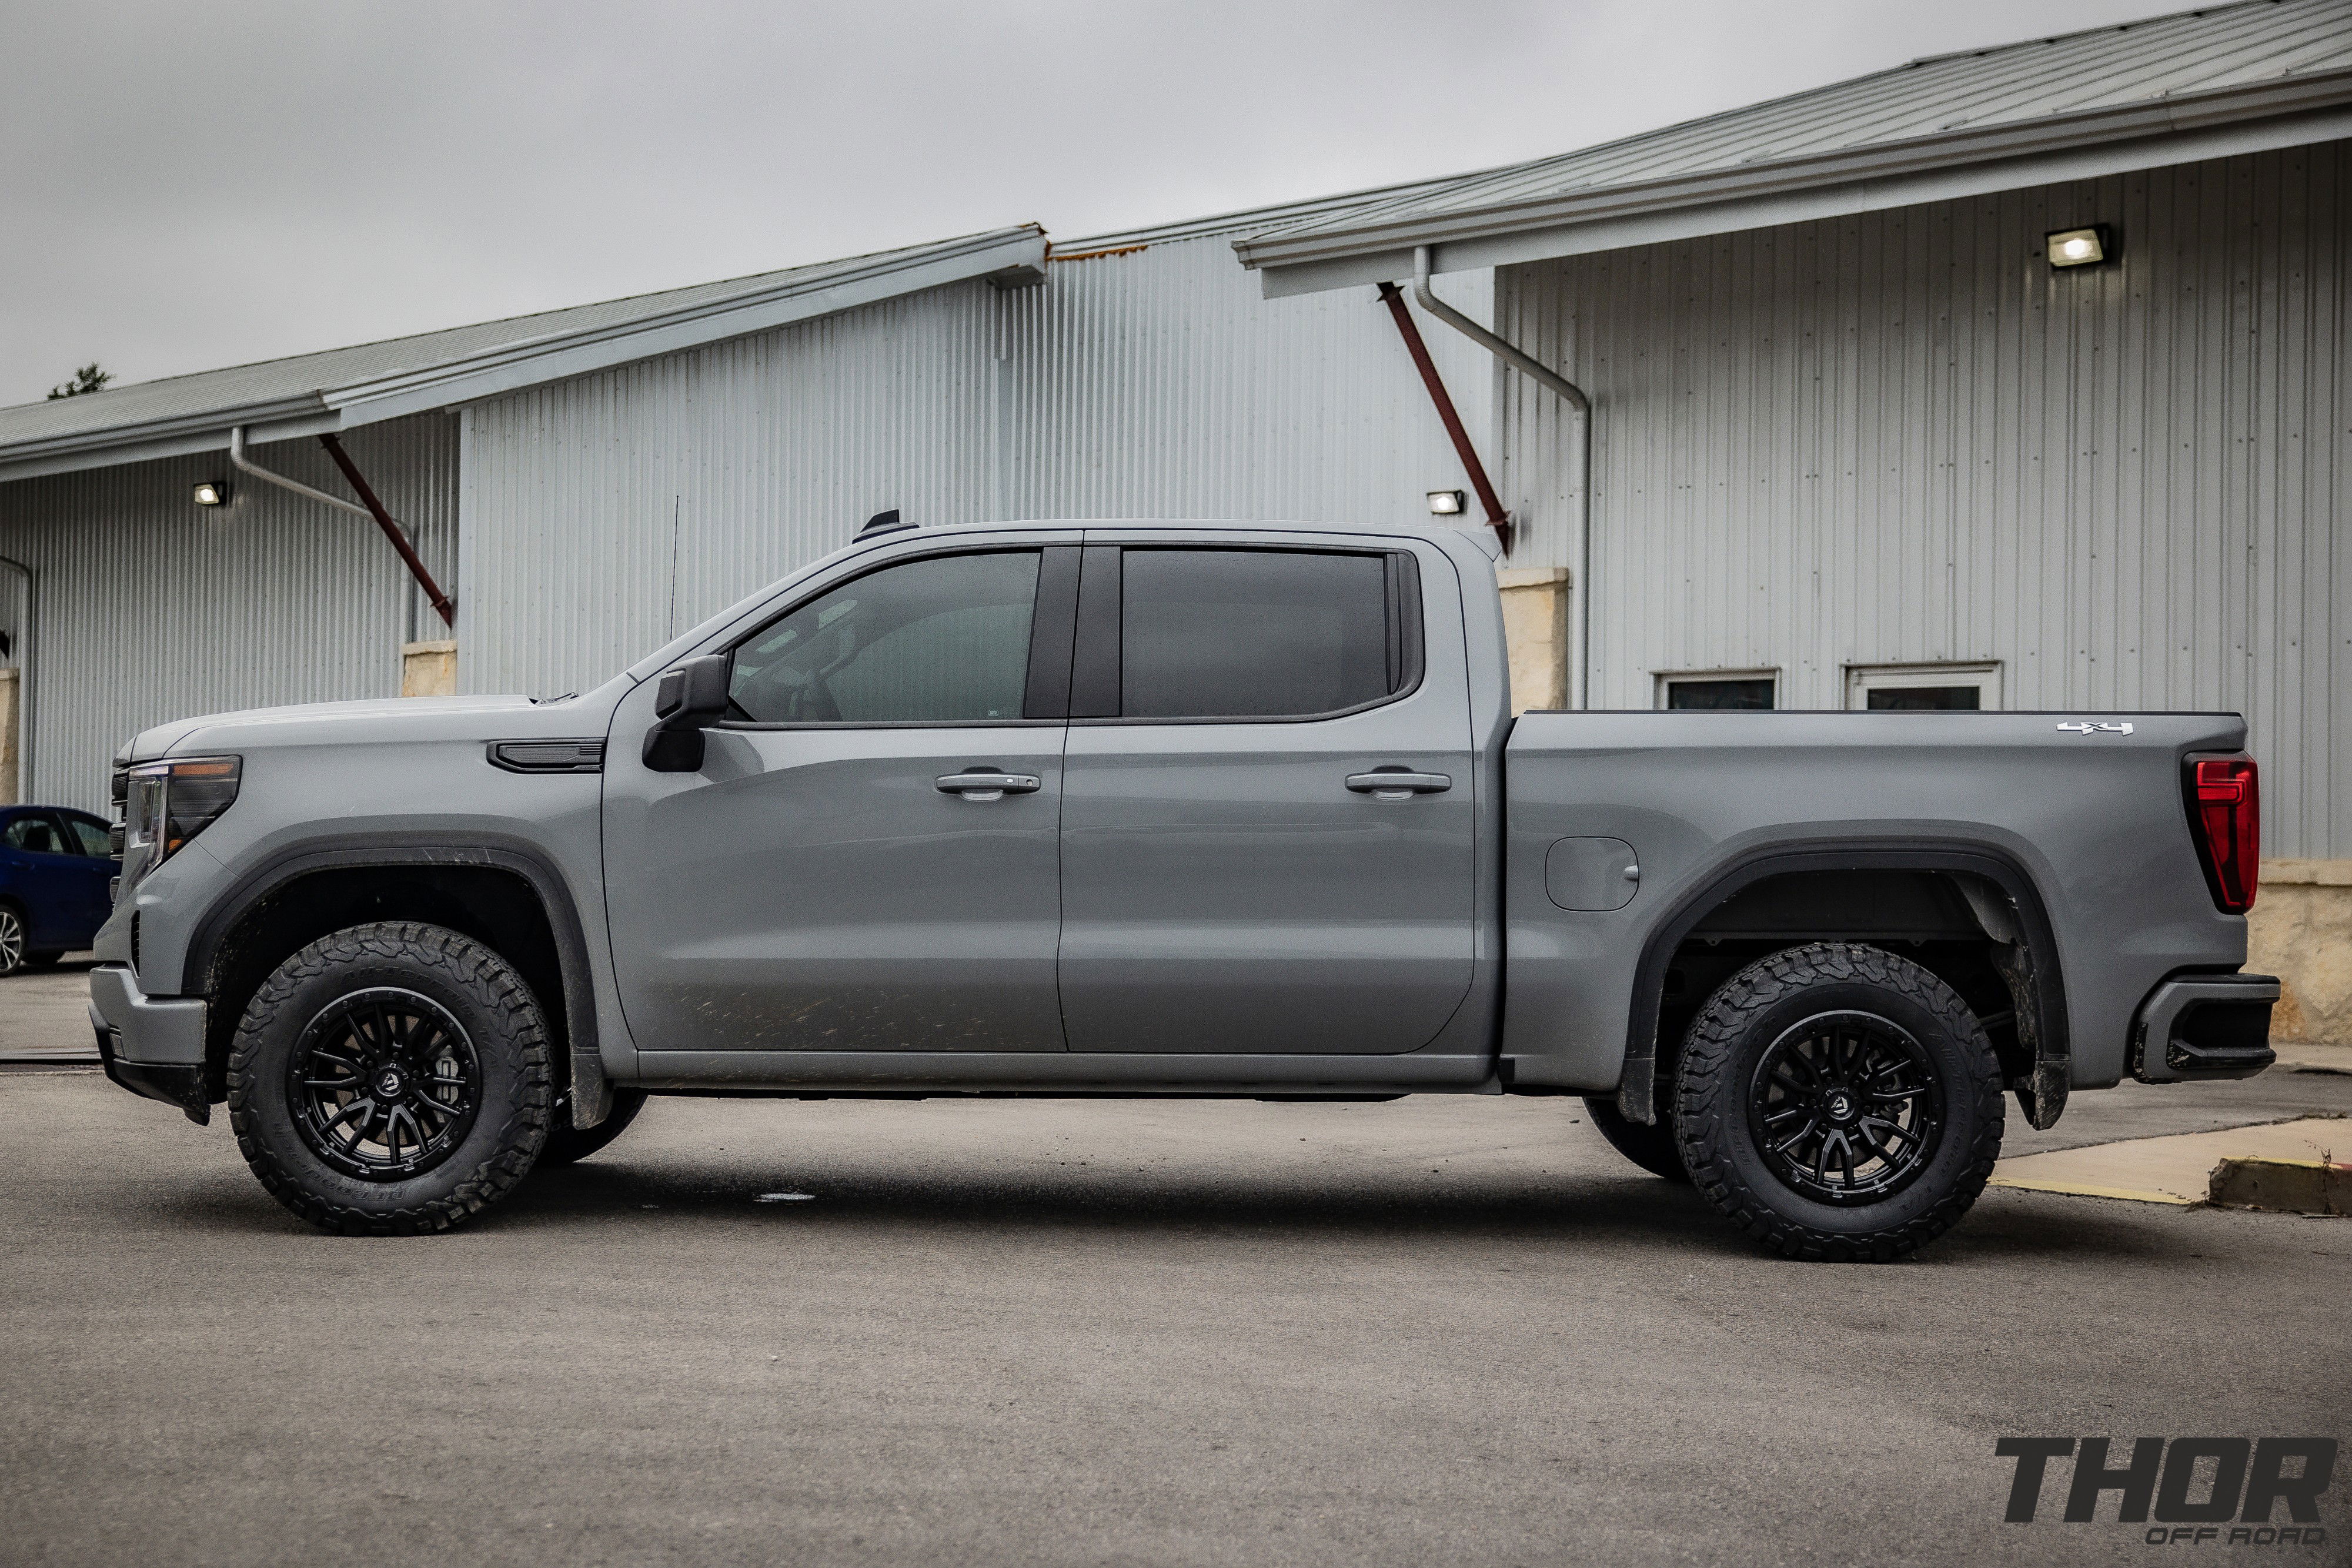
(2290, 1186)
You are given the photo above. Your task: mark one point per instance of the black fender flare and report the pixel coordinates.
(1637, 1083)
(591, 1095)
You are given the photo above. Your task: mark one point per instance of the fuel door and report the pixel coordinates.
(1591, 874)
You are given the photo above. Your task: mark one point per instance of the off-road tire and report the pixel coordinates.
(509, 1036)
(1727, 1043)
(1654, 1148)
(567, 1143)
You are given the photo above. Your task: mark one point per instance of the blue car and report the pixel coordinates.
(55, 865)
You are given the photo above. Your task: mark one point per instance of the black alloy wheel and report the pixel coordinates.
(1836, 1101)
(384, 1084)
(1846, 1108)
(390, 1079)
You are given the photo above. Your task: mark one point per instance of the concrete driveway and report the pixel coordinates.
(1442, 1330)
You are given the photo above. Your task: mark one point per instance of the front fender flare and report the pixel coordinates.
(591, 1095)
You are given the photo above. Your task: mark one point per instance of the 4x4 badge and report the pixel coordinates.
(2088, 728)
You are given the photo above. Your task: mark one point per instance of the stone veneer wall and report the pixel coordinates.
(2300, 931)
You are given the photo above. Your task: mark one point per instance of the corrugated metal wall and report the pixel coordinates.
(606, 513)
(1159, 383)
(150, 607)
(1150, 382)
(1903, 437)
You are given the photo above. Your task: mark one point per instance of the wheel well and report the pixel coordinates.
(1936, 919)
(495, 907)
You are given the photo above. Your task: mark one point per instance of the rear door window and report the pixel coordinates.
(1254, 633)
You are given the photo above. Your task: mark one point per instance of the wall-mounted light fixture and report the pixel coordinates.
(211, 492)
(2079, 247)
(1446, 503)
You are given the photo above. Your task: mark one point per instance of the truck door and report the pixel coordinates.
(868, 858)
(1267, 817)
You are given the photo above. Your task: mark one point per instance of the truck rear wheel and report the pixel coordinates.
(390, 1079)
(566, 1142)
(1654, 1148)
(1839, 1103)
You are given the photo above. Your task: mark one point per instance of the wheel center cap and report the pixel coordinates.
(391, 1083)
(1841, 1105)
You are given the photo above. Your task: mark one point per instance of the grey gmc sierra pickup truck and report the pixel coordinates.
(1181, 809)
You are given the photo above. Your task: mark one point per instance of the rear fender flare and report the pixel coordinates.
(1637, 1083)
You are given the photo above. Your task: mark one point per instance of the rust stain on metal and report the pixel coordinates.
(1096, 255)
(1496, 518)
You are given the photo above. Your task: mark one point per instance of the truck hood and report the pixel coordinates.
(393, 720)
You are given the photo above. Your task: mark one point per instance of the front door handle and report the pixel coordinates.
(980, 784)
(1399, 786)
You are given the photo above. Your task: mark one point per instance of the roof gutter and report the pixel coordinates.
(1579, 591)
(373, 511)
(2158, 127)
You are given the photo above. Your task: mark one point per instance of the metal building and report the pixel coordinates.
(1805, 404)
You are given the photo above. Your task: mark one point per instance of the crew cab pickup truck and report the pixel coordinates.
(1169, 809)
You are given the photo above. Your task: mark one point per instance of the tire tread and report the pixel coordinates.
(1702, 1087)
(461, 961)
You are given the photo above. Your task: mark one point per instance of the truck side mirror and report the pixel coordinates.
(691, 695)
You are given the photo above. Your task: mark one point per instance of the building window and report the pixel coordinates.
(1722, 690)
(1897, 687)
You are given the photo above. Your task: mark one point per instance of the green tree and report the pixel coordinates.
(89, 379)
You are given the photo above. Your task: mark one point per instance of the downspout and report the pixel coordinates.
(25, 683)
(373, 511)
(1580, 590)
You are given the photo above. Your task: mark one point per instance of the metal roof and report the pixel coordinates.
(344, 387)
(2197, 84)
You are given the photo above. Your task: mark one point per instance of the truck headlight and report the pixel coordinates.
(168, 803)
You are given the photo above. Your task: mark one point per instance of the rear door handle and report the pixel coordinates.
(979, 785)
(1398, 786)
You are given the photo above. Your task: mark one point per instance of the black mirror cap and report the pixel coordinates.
(690, 695)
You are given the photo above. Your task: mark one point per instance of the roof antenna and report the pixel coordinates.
(883, 523)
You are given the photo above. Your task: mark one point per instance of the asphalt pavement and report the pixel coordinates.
(44, 1013)
(1441, 1330)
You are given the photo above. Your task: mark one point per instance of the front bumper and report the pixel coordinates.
(2202, 1027)
(150, 1045)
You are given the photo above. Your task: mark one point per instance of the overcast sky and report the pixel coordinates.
(191, 184)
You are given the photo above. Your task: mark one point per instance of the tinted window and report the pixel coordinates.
(93, 837)
(1923, 697)
(1251, 633)
(35, 835)
(940, 641)
(1751, 693)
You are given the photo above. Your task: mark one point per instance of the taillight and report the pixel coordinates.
(2225, 808)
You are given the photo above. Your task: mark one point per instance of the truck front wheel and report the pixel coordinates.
(1839, 1103)
(390, 1079)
